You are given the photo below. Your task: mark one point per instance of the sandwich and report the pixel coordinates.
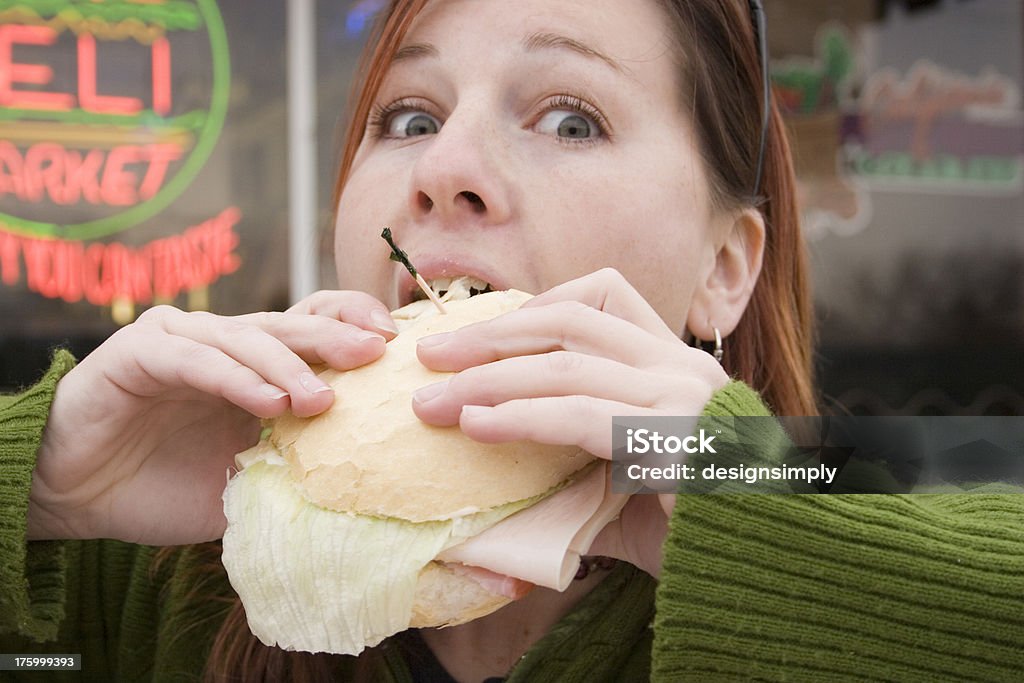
(350, 526)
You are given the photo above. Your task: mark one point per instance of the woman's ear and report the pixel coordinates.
(728, 280)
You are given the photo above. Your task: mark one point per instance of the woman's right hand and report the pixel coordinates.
(141, 433)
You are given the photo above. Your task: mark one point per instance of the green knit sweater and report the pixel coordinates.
(769, 587)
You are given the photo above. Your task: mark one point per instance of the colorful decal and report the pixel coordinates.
(812, 94)
(932, 128)
(108, 111)
(929, 129)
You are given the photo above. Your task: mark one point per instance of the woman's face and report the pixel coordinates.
(527, 143)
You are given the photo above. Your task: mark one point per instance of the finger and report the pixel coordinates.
(356, 308)
(608, 290)
(319, 339)
(667, 502)
(253, 348)
(186, 363)
(565, 325)
(636, 536)
(609, 541)
(560, 373)
(581, 421)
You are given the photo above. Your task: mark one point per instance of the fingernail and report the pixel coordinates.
(272, 392)
(383, 321)
(365, 335)
(312, 383)
(435, 339)
(430, 392)
(473, 412)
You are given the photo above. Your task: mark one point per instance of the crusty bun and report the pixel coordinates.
(333, 587)
(445, 598)
(369, 453)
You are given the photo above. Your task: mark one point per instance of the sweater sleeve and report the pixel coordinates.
(839, 587)
(129, 616)
(31, 574)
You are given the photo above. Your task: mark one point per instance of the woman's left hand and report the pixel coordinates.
(557, 370)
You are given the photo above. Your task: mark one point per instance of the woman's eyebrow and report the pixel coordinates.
(414, 51)
(532, 43)
(545, 41)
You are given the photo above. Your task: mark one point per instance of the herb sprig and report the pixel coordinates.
(397, 254)
(403, 258)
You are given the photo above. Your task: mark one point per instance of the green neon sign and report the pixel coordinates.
(203, 127)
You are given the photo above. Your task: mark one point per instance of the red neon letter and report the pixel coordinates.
(98, 289)
(9, 249)
(67, 270)
(35, 74)
(83, 176)
(160, 155)
(39, 266)
(44, 170)
(12, 171)
(118, 184)
(116, 264)
(161, 76)
(227, 261)
(102, 104)
(53, 174)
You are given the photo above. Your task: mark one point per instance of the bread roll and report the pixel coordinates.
(369, 453)
(369, 456)
(444, 598)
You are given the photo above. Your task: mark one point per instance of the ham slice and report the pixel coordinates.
(542, 544)
(499, 584)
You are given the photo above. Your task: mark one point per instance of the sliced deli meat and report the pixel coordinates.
(543, 544)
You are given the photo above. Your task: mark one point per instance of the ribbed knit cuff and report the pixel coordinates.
(746, 435)
(841, 587)
(31, 574)
(736, 398)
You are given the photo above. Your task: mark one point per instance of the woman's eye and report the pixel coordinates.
(569, 125)
(412, 123)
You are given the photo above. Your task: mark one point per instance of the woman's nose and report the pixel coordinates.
(469, 199)
(460, 178)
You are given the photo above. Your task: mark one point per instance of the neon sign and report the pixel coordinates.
(98, 134)
(75, 134)
(105, 273)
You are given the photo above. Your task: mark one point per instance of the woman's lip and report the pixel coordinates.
(433, 267)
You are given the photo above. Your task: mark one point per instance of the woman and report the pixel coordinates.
(532, 145)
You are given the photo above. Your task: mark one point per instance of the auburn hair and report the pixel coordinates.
(771, 348)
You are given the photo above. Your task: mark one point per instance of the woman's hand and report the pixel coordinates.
(141, 433)
(556, 372)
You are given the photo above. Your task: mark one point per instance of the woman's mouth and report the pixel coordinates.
(459, 287)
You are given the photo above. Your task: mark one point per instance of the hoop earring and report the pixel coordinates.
(719, 352)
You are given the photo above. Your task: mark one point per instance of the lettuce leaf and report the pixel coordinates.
(321, 581)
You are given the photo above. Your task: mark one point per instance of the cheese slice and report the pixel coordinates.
(543, 543)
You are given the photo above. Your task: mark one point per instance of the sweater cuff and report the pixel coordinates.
(842, 587)
(746, 436)
(736, 398)
(31, 573)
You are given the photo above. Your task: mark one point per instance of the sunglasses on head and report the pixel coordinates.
(761, 35)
